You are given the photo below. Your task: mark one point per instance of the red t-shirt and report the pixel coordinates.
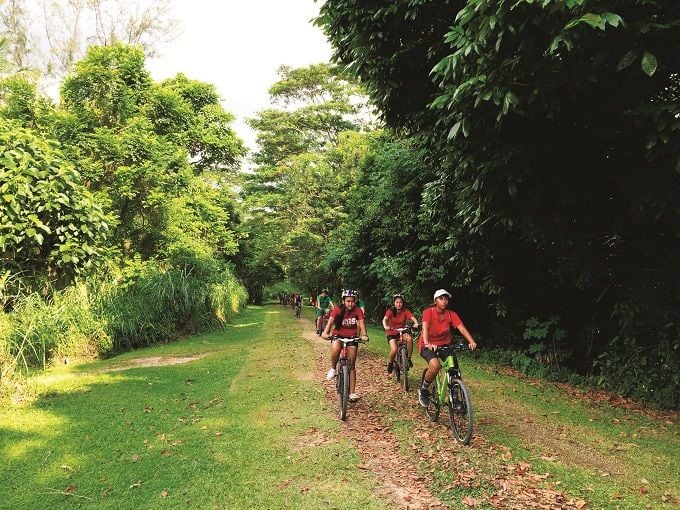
(350, 322)
(439, 326)
(398, 320)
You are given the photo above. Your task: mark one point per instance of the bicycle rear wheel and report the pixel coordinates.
(403, 361)
(432, 409)
(343, 390)
(460, 411)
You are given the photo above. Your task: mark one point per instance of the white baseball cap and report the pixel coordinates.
(441, 292)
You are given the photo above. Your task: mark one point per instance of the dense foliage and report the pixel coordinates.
(551, 131)
(50, 222)
(117, 208)
(309, 148)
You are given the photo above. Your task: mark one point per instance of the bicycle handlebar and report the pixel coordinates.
(460, 346)
(403, 330)
(348, 340)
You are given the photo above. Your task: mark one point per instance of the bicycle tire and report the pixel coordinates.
(403, 361)
(397, 368)
(460, 411)
(343, 375)
(433, 407)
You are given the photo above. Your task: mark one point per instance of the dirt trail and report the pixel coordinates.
(379, 448)
(402, 482)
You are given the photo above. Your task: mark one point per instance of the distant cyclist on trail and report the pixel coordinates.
(346, 321)
(437, 324)
(298, 305)
(396, 317)
(323, 303)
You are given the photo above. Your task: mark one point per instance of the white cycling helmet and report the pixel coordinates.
(349, 293)
(441, 292)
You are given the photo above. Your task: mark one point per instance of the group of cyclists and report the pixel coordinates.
(293, 300)
(347, 320)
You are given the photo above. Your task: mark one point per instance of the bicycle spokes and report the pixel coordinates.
(460, 411)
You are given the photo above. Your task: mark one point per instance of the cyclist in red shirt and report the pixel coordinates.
(396, 317)
(437, 324)
(348, 322)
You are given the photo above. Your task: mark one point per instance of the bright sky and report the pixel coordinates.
(237, 46)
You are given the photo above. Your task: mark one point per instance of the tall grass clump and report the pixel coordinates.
(158, 305)
(142, 304)
(62, 325)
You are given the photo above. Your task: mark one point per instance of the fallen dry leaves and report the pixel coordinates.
(406, 484)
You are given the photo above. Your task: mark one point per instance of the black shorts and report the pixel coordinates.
(429, 355)
(392, 337)
(350, 344)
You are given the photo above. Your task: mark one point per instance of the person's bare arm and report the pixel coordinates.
(471, 341)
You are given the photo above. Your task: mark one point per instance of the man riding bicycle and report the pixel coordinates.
(437, 324)
(395, 318)
(323, 303)
(347, 321)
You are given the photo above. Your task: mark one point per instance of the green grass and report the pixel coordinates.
(230, 430)
(245, 427)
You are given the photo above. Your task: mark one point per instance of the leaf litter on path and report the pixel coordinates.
(516, 485)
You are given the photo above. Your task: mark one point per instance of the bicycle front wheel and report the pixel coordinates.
(403, 361)
(396, 364)
(460, 411)
(433, 407)
(343, 389)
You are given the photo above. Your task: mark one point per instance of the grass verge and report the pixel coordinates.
(242, 427)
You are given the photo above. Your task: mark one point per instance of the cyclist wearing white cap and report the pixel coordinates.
(437, 323)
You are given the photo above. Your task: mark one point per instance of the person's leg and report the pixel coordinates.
(433, 367)
(409, 345)
(336, 347)
(392, 342)
(318, 320)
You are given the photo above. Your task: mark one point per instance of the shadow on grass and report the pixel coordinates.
(120, 439)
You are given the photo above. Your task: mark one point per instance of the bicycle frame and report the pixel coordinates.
(452, 393)
(342, 374)
(401, 369)
(450, 367)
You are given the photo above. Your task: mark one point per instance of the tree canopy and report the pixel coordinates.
(551, 129)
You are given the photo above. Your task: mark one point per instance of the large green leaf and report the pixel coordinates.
(648, 63)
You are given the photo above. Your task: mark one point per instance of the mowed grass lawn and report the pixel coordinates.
(237, 428)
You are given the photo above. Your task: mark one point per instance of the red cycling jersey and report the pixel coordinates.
(350, 322)
(439, 326)
(398, 320)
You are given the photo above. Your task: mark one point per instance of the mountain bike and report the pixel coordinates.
(342, 374)
(448, 389)
(323, 320)
(401, 361)
(298, 310)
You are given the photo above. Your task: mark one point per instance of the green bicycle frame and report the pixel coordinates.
(451, 368)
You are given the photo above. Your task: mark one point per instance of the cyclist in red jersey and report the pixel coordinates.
(347, 320)
(437, 324)
(396, 317)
